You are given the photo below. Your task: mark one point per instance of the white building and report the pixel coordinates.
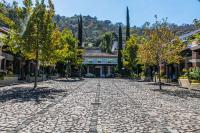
(98, 63)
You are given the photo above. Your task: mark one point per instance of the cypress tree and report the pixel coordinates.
(127, 24)
(120, 63)
(80, 31)
(80, 39)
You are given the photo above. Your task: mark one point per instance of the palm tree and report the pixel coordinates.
(107, 42)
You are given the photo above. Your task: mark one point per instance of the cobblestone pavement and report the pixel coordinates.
(98, 105)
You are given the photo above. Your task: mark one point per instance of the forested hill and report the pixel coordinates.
(94, 28)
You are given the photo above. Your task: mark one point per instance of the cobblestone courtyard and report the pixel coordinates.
(98, 105)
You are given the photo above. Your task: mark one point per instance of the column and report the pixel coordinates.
(4, 67)
(109, 71)
(88, 69)
(101, 71)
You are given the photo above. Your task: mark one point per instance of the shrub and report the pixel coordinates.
(117, 75)
(184, 74)
(163, 76)
(134, 76)
(2, 74)
(194, 74)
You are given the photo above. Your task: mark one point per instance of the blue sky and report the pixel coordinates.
(177, 11)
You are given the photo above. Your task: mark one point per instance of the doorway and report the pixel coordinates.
(98, 72)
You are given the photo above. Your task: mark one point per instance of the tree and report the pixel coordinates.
(160, 46)
(106, 42)
(4, 19)
(120, 62)
(127, 24)
(80, 43)
(39, 40)
(35, 33)
(80, 31)
(130, 54)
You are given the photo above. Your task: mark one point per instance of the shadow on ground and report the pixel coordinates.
(69, 80)
(179, 93)
(163, 84)
(25, 94)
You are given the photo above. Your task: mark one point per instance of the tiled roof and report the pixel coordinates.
(99, 55)
(196, 48)
(189, 34)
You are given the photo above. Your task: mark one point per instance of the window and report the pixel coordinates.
(110, 60)
(99, 61)
(90, 61)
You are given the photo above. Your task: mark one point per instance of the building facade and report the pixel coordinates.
(98, 63)
(192, 51)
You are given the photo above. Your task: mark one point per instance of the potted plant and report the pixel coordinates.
(194, 76)
(184, 80)
(163, 78)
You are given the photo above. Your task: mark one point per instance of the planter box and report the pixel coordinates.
(195, 84)
(163, 80)
(185, 83)
(9, 80)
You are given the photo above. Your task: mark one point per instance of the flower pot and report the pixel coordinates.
(163, 80)
(185, 83)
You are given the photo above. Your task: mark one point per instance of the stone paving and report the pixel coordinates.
(98, 106)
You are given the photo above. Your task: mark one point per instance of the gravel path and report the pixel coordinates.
(98, 105)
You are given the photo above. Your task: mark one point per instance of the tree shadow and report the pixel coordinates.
(25, 94)
(179, 93)
(69, 80)
(163, 84)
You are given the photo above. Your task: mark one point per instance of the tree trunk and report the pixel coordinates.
(28, 73)
(67, 70)
(159, 78)
(43, 71)
(36, 70)
(155, 76)
(80, 72)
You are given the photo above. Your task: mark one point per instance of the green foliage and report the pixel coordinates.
(94, 28)
(184, 74)
(37, 37)
(130, 53)
(134, 76)
(2, 74)
(4, 18)
(159, 46)
(194, 74)
(80, 31)
(106, 42)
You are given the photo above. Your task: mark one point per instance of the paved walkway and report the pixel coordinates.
(98, 105)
